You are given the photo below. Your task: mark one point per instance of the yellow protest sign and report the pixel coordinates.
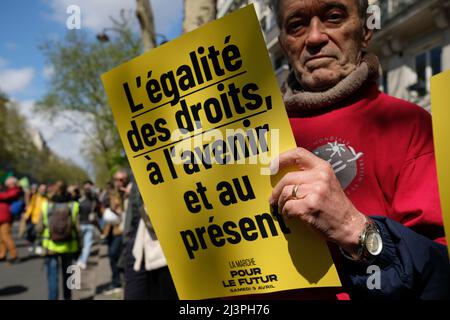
(440, 109)
(200, 119)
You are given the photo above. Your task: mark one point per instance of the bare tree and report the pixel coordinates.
(144, 14)
(197, 13)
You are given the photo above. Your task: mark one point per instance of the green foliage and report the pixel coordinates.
(78, 62)
(21, 156)
(56, 169)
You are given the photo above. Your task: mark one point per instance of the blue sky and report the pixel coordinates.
(23, 73)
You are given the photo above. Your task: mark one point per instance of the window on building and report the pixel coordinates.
(264, 23)
(428, 64)
(272, 22)
(421, 68)
(436, 60)
(384, 82)
(279, 62)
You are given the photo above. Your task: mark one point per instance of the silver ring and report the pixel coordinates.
(294, 191)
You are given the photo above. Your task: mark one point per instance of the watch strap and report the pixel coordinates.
(363, 255)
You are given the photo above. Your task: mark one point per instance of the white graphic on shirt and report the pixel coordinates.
(356, 156)
(343, 159)
(336, 148)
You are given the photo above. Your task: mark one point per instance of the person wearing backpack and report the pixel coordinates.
(7, 197)
(59, 227)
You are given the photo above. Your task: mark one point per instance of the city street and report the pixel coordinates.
(224, 152)
(27, 280)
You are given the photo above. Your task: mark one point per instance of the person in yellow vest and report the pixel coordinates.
(59, 227)
(32, 216)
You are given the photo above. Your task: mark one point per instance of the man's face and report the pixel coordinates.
(120, 180)
(322, 40)
(87, 188)
(42, 189)
(10, 183)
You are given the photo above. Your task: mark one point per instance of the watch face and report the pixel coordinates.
(373, 243)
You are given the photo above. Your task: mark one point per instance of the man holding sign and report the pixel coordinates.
(369, 155)
(200, 119)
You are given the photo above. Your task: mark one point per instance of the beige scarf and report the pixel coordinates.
(297, 100)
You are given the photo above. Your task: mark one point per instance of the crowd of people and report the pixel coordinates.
(61, 223)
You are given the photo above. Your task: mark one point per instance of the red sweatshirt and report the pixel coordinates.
(381, 149)
(6, 198)
(382, 152)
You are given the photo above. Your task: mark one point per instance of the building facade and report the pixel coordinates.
(413, 43)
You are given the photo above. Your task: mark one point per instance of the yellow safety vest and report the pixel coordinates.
(59, 247)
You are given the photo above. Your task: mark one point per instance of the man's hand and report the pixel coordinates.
(319, 200)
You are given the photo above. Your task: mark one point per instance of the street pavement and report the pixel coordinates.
(27, 279)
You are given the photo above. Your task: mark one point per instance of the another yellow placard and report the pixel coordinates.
(200, 119)
(440, 109)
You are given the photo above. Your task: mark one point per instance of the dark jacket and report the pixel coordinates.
(89, 205)
(411, 266)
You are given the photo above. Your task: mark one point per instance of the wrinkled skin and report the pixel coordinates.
(323, 40)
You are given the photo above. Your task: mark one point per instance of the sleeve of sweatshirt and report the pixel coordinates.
(10, 194)
(416, 201)
(410, 266)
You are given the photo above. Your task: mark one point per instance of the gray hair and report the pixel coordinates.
(362, 9)
(11, 181)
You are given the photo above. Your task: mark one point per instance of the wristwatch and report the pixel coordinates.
(370, 244)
